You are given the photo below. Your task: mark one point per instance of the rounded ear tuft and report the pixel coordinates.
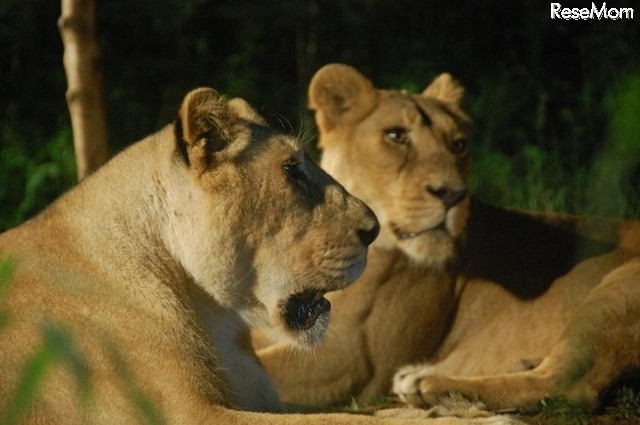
(204, 111)
(242, 108)
(209, 123)
(446, 89)
(340, 94)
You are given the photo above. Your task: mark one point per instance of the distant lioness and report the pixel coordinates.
(154, 265)
(504, 306)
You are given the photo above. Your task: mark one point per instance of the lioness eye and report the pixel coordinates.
(293, 170)
(398, 136)
(458, 146)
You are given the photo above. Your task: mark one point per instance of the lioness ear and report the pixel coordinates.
(241, 108)
(445, 88)
(338, 93)
(207, 123)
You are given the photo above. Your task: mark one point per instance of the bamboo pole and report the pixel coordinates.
(85, 98)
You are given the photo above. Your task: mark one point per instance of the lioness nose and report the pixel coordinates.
(369, 234)
(448, 196)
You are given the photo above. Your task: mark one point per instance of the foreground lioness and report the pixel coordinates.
(505, 306)
(211, 222)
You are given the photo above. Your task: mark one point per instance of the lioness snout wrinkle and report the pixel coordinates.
(449, 197)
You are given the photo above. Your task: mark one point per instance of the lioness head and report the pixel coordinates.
(257, 224)
(404, 154)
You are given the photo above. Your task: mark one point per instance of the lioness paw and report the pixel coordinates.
(407, 385)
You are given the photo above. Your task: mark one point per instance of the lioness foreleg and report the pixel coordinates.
(596, 349)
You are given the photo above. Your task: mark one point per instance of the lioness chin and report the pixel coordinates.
(506, 307)
(156, 264)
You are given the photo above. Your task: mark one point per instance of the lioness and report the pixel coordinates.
(505, 306)
(154, 265)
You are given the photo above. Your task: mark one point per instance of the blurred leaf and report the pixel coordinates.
(57, 348)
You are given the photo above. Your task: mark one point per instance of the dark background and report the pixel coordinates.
(556, 103)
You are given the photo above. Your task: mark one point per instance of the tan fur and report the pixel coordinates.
(153, 267)
(505, 306)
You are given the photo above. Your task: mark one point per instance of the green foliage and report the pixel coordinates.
(31, 180)
(624, 408)
(613, 190)
(554, 102)
(563, 412)
(560, 177)
(6, 271)
(57, 347)
(143, 406)
(626, 404)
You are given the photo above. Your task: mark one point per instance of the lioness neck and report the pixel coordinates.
(98, 217)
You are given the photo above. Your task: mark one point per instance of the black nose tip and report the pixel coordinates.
(367, 236)
(448, 196)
